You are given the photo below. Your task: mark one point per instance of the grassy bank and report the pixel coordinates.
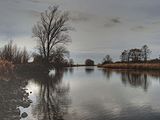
(137, 66)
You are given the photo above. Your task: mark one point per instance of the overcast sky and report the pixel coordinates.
(101, 26)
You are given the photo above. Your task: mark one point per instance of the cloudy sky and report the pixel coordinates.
(101, 26)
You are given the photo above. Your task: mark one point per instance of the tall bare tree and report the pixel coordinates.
(125, 56)
(145, 52)
(51, 31)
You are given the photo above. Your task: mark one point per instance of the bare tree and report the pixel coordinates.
(51, 31)
(107, 59)
(125, 56)
(7, 52)
(59, 54)
(25, 56)
(12, 53)
(135, 54)
(145, 52)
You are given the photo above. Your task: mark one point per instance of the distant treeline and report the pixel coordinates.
(134, 55)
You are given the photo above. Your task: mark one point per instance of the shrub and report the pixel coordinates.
(89, 62)
(6, 66)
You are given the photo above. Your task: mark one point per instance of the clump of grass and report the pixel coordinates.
(6, 66)
(138, 66)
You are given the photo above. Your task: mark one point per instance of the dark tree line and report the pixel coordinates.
(12, 53)
(136, 55)
(132, 55)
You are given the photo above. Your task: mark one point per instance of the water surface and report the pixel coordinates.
(88, 93)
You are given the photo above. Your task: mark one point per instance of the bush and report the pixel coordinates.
(6, 66)
(14, 54)
(89, 62)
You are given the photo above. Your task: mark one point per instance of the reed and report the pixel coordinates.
(138, 66)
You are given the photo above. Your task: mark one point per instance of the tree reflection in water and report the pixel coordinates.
(107, 73)
(89, 69)
(135, 79)
(71, 70)
(53, 97)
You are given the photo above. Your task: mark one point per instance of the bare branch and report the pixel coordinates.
(51, 30)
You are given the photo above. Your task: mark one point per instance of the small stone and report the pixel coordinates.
(24, 115)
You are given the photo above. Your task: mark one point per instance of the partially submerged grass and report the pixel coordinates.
(138, 66)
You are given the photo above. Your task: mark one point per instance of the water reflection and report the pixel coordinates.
(92, 96)
(135, 79)
(107, 73)
(71, 70)
(12, 96)
(54, 98)
(89, 69)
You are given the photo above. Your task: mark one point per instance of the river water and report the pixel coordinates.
(89, 93)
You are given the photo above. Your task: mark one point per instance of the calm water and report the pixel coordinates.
(81, 94)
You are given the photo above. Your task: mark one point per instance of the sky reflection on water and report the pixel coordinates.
(92, 94)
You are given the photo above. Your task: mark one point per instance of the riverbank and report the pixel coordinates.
(82, 65)
(8, 67)
(42, 67)
(136, 66)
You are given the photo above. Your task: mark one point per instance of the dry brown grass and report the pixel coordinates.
(139, 66)
(6, 66)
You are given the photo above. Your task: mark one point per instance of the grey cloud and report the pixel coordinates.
(116, 20)
(112, 22)
(77, 16)
(34, 13)
(35, 1)
(43, 1)
(156, 23)
(139, 28)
